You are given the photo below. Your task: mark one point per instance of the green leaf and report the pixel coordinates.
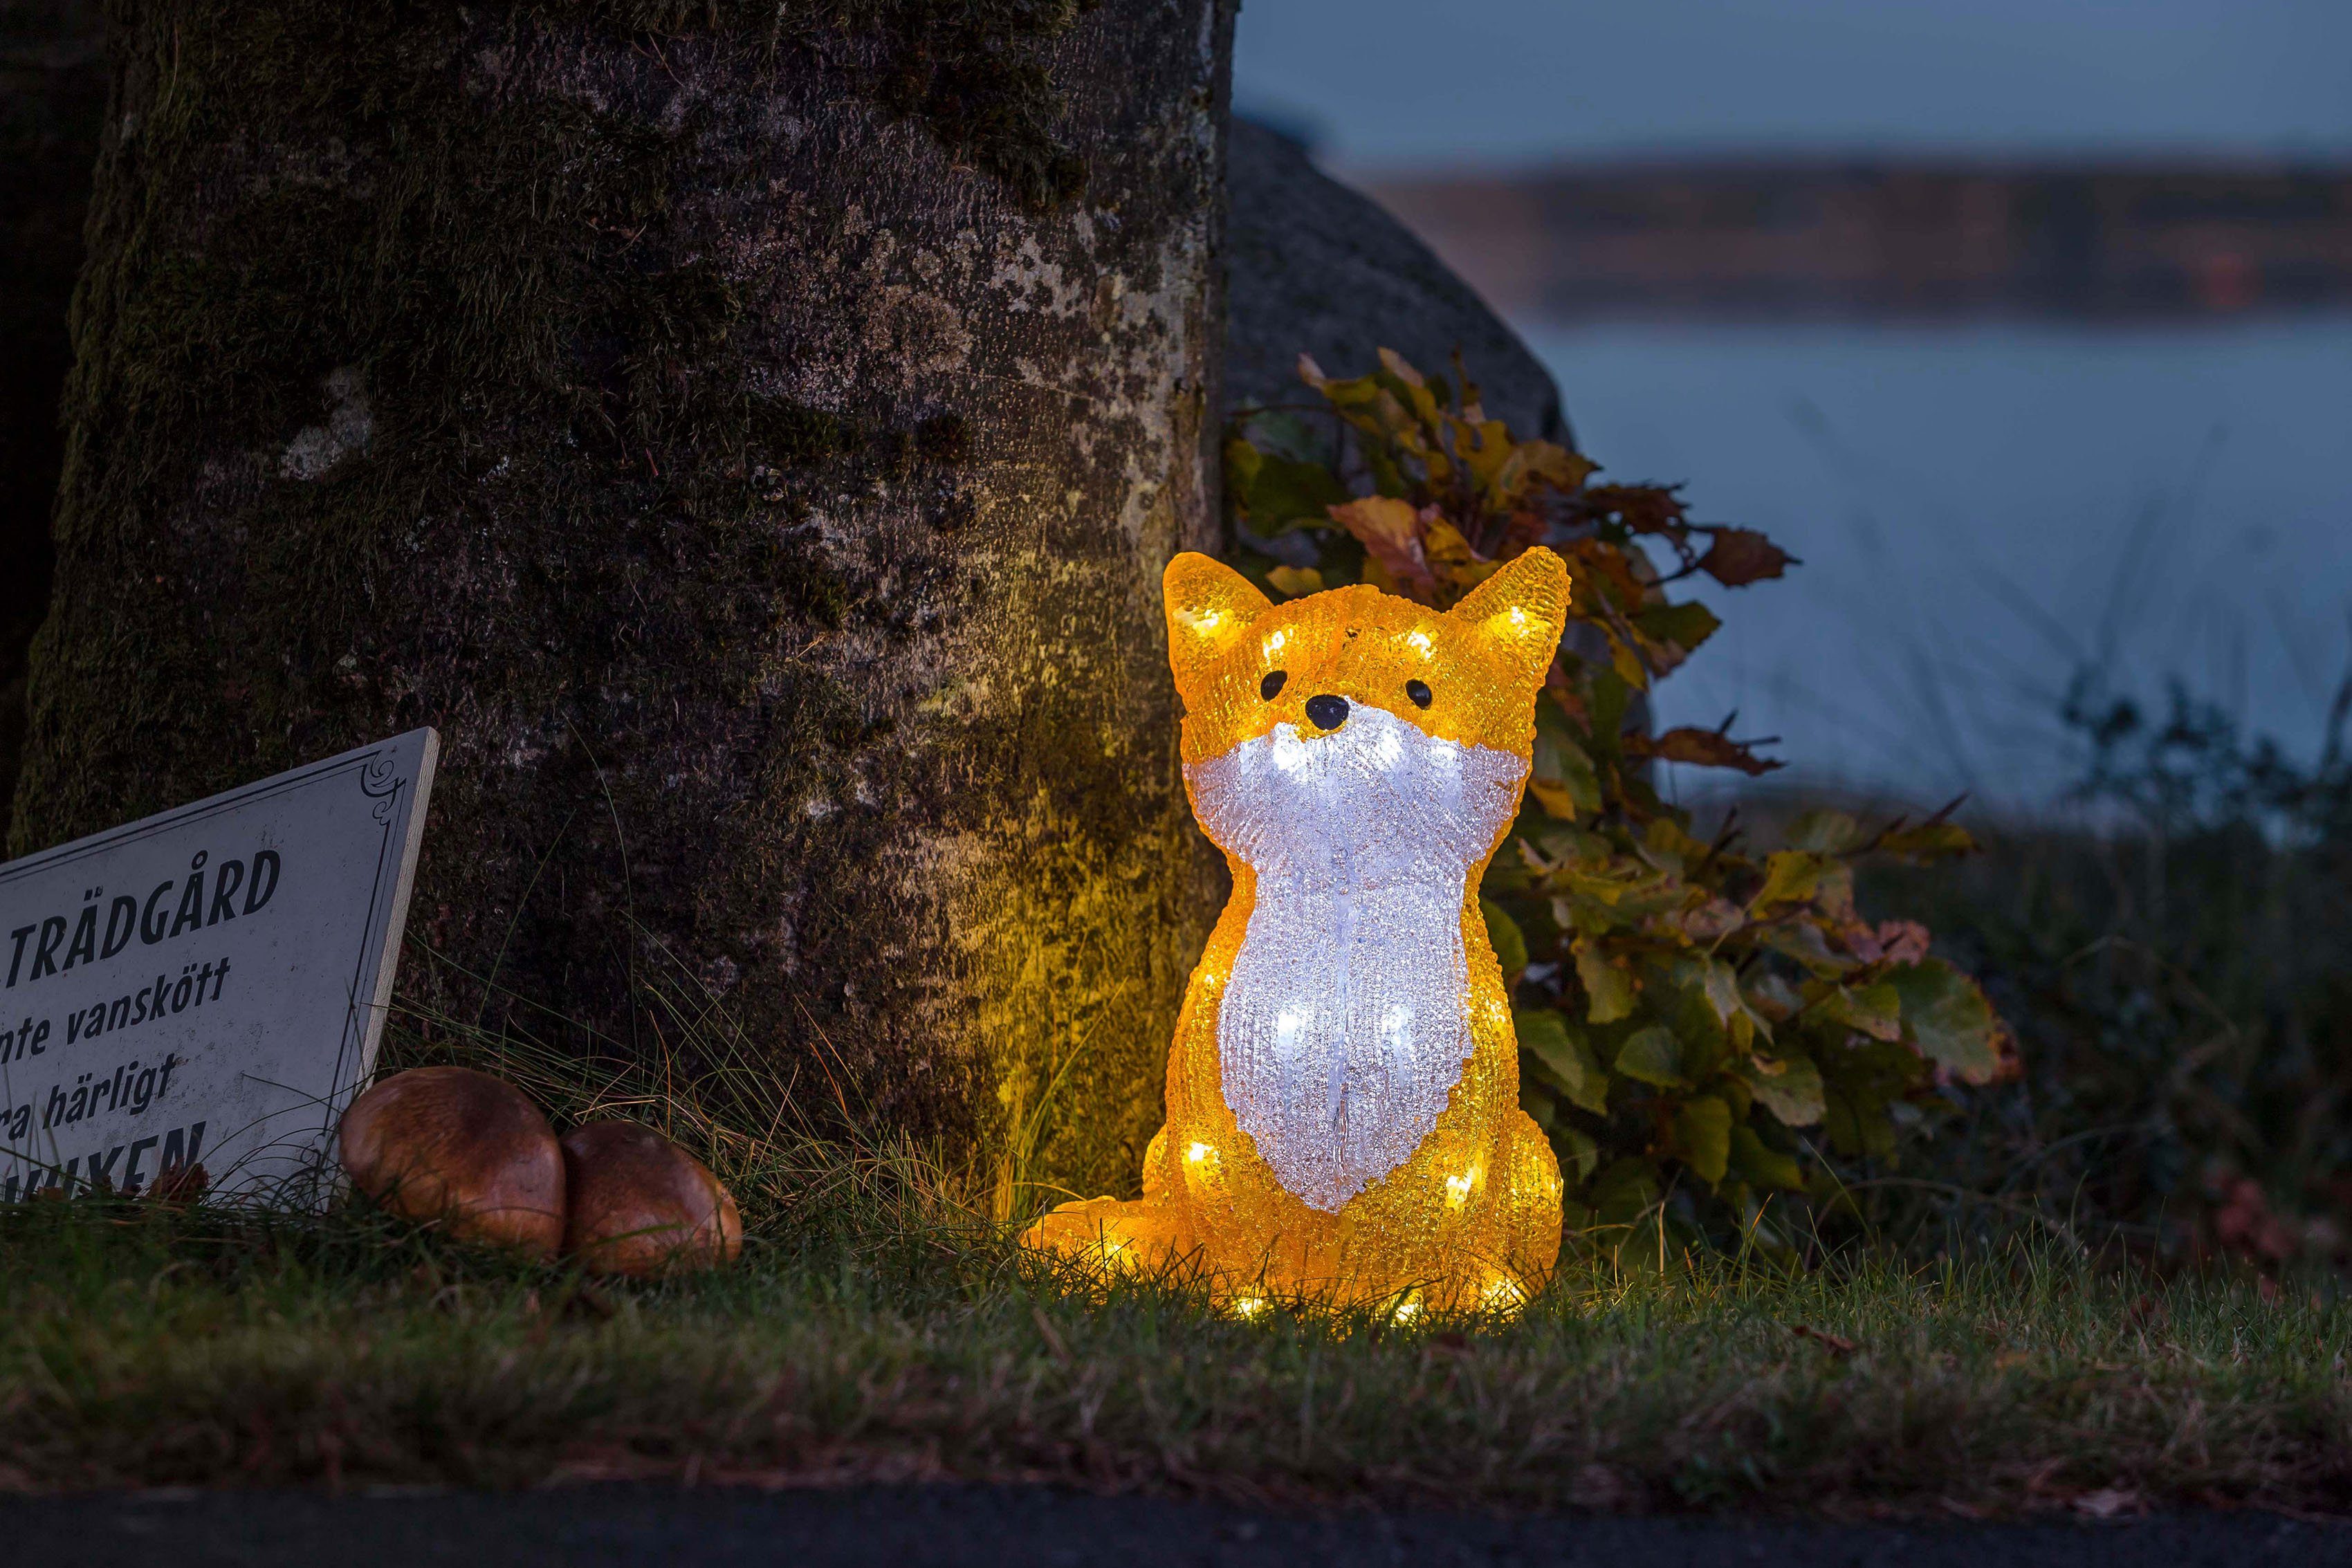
(1823, 832)
(1790, 876)
(1763, 1165)
(1611, 697)
(1510, 873)
(1609, 988)
(1579, 1154)
(1803, 940)
(1625, 662)
(1507, 471)
(1793, 1094)
(1503, 933)
(1854, 1116)
(1860, 1084)
(1703, 1136)
(1625, 1191)
(1722, 989)
(1652, 1055)
(1874, 1010)
(1929, 841)
(1536, 1098)
(1275, 493)
(1948, 1018)
(1681, 994)
(1562, 780)
(1684, 625)
(1565, 1057)
(1559, 841)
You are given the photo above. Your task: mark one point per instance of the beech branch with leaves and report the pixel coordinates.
(1703, 1024)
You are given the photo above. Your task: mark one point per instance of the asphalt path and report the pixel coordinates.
(986, 1527)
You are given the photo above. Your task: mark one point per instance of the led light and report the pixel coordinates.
(1407, 1310)
(1420, 644)
(1200, 1151)
(1246, 1307)
(1458, 1188)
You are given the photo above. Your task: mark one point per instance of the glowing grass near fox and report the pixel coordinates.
(1343, 1115)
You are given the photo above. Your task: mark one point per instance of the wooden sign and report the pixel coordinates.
(207, 987)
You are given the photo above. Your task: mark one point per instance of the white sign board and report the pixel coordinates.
(207, 986)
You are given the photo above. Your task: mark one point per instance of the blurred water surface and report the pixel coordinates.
(1984, 509)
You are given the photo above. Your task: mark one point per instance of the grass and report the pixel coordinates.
(883, 1326)
(866, 1336)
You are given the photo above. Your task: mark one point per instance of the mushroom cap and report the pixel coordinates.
(641, 1204)
(451, 1146)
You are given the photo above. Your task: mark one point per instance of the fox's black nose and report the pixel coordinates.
(1328, 711)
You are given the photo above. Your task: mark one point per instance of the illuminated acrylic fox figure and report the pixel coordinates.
(1343, 1116)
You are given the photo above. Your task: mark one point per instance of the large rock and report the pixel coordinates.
(1317, 267)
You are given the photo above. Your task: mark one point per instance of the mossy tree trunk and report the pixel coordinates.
(752, 435)
(52, 97)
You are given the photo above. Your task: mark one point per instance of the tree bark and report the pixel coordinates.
(52, 97)
(752, 435)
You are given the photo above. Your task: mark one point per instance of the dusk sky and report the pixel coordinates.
(1407, 81)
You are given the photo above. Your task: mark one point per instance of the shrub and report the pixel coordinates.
(2179, 969)
(1706, 1025)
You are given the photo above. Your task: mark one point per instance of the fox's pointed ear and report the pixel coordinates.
(1521, 611)
(1210, 609)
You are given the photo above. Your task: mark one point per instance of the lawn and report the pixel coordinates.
(866, 1338)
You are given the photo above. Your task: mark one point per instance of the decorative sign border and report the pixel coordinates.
(396, 775)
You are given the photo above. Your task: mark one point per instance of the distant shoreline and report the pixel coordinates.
(1864, 239)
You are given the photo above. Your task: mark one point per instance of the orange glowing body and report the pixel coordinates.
(1343, 1118)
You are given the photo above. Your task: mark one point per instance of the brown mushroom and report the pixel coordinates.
(457, 1147)
(641, 1204)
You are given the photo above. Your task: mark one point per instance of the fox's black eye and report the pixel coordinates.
(1270, 686)
(1418, 693)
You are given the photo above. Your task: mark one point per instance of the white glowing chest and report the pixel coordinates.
(1344, 1026)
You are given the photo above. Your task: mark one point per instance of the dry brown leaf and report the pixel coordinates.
(2110, 1502)
(1701, 747)
(1737, 557)
(1391, 531)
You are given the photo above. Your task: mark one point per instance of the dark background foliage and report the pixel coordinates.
(2178, 965)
